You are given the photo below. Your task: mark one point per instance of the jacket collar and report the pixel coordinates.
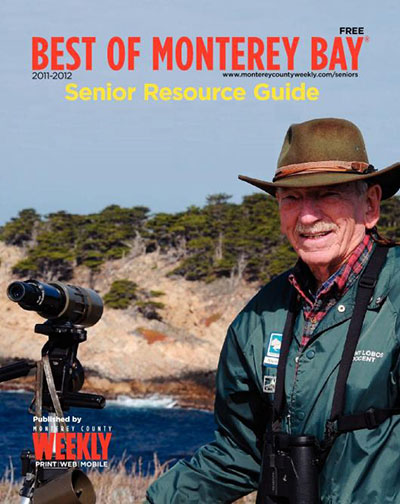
(343, 309)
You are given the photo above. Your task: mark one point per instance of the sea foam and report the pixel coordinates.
(153, 401)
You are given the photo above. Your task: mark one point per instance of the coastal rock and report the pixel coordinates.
(126, 349)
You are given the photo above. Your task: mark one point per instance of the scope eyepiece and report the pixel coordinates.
(58, 302)
(16, 291)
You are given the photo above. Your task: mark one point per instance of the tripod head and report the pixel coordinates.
(69, 309)
(68, 373)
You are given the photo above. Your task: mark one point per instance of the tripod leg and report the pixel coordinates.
(26, 491)
(29, 473)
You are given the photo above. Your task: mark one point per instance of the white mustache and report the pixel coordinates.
(318, 227)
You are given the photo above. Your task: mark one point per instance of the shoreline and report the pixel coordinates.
(191, 391)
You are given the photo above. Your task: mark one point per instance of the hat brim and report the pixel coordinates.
(388, 179)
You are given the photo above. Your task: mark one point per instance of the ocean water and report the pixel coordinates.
(140, 427)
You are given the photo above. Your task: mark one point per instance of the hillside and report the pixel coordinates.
(172, 282)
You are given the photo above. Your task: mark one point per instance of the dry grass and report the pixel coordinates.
(249, 499)
(113, 485)
(116, 484)
(9, 488)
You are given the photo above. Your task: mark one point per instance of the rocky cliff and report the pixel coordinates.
(127, 353)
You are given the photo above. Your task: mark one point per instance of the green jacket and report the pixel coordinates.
(363, 466)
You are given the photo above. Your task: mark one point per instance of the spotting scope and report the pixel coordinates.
(58, 302)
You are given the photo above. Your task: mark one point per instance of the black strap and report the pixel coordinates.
(365, 290)
(369, 419)
(287, 337)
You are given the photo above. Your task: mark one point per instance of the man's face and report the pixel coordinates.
(325, 224)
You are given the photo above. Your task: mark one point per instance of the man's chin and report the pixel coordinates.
(317, 258)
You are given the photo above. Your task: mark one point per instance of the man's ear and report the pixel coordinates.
(374, 196)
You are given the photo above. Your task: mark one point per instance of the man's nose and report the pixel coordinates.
(309, 211)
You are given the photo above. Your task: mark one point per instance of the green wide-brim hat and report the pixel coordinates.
(324, 152)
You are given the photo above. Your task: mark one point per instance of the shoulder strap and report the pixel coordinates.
(287, 337)
(365, 290)
(369, 419)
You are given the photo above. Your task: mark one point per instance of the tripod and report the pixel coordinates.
(59, 377)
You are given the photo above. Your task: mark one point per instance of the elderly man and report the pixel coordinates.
(312, 362)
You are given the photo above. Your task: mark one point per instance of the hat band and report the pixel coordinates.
(323, 166)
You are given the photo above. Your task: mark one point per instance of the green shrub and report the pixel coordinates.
(19, 230)
(156, 293)
(121, 294)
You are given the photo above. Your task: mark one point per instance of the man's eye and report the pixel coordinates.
(290, 197)
(330, 194)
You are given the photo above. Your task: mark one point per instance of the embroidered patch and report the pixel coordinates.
(269, 384)
(273, 350)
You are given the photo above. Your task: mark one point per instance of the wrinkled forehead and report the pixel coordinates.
(345, 188)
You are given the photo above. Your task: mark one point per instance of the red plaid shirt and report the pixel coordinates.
(315, 307)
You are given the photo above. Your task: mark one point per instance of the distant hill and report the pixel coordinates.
(218, 240)
(172, 283)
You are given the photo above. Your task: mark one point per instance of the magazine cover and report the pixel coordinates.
(128, 245)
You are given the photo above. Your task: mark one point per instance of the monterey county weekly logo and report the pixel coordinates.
(71, 443)
(271, 357)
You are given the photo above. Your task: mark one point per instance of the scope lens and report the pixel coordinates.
(26, 294)
(16, 291)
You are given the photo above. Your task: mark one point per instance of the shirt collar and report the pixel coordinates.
(338, 283)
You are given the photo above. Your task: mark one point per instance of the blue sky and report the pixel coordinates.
(82, 156)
